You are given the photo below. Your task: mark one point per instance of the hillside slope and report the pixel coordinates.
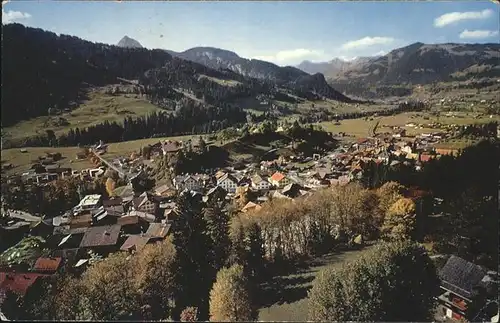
(419, 64)
(287, 76)
(47, 73)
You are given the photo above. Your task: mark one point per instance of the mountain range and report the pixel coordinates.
(333, 67)
(392, 74)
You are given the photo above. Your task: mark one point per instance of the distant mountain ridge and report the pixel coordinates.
(224, 59)
(334, 67)
(221, 59)
(420, 64)
(127, 42)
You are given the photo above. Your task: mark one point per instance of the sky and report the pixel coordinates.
(284, 33)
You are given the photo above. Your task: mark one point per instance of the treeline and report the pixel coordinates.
(326, 115)
(190, 117)
(330, 218)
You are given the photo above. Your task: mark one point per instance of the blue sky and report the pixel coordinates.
(282, 32)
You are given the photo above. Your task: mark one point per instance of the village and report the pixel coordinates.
(128, 220)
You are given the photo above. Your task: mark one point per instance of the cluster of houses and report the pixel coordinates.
(98, 226)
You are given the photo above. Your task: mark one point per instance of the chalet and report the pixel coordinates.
(145, 203)
(164, 191)
(132, 223)
(251, 206)
(228, 182)
(170, 147)
(461, 282)
(279, 180)
(189, 182)
(258, 183)
(135, 242)
(158, 230)
(103, 238)
(291, 190)
(81, 221)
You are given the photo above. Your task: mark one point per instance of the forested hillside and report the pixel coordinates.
(49, 72)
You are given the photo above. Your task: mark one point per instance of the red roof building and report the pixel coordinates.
(47, 264)
(18, 282)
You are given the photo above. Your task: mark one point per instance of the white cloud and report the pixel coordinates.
(293, 56)
(478, 34)
(367, 42)
(13, 16)
(454, 17)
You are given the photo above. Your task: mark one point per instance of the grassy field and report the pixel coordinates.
(285, 297)
(23, 161)
(98, 108)
(360, 127)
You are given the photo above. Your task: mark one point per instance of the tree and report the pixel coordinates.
(229, 297)
(155, 278)
(109, 292)
(68, 301)
(389, 193)
(110, 186)
(392, 282)
(217, 221)
(399, 222)
(194, 274)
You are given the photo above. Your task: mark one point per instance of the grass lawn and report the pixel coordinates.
(285, 297)
(22, 161)
(98, 108)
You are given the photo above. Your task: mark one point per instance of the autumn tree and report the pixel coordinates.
(392, 282)
(109, 292)
(155, 278)
(68, 301)
(229, 297)
(399, 222)
(389, 193)
(110, 186)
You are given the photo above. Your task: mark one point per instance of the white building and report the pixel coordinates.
(89, 202)
(258, 183)
(189, 182)
(228, 182)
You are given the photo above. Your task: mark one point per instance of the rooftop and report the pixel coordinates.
(90, 200)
